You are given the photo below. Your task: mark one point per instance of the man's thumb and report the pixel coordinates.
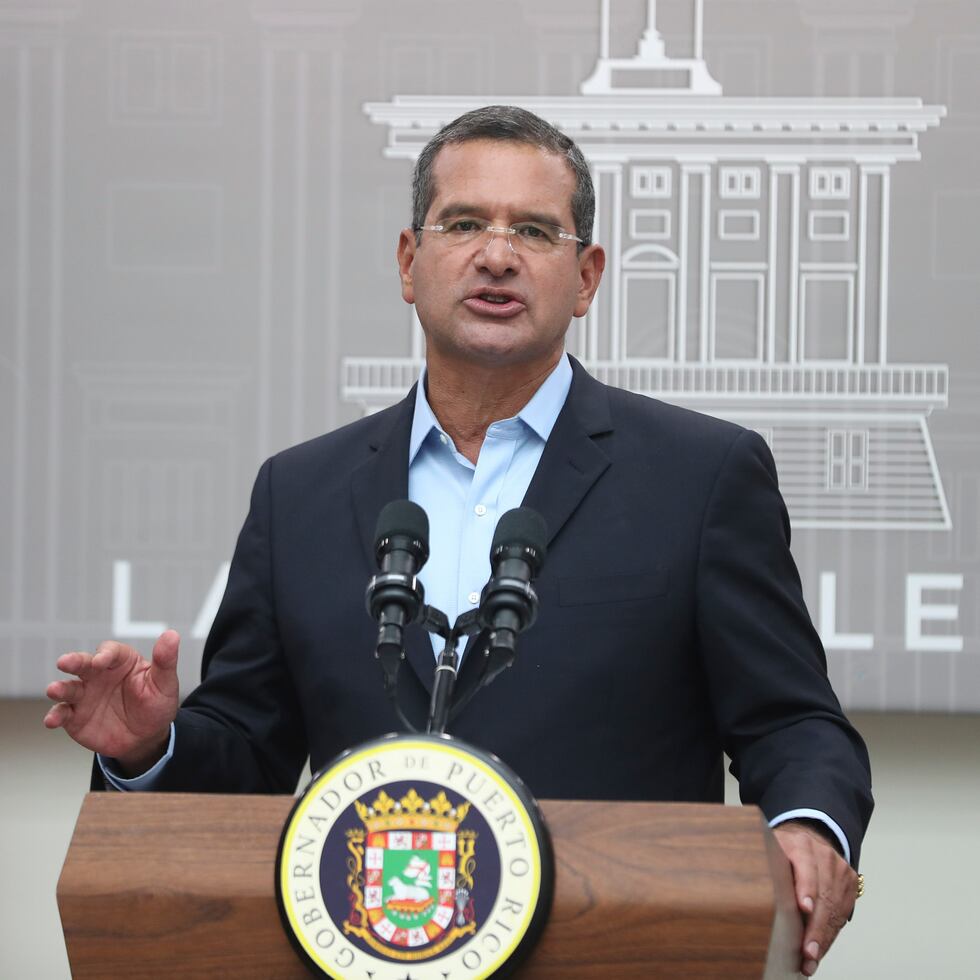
(165, 650)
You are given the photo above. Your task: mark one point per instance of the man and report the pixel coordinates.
(672, 624)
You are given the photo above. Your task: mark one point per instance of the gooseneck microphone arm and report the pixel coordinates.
(444, 683)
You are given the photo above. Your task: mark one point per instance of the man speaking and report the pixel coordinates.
(672, 627)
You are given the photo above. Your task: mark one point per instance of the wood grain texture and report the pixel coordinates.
(161, 885)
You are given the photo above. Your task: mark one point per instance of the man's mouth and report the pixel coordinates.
(492, 302)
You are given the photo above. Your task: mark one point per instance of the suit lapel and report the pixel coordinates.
(572, 460)
(383, 477)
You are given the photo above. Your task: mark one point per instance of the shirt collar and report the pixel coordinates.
(539, 414)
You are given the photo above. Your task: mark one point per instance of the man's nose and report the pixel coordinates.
(498, 256)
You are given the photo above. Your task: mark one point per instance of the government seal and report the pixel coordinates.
(414, 857)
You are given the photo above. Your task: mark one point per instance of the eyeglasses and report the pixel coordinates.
(532, 236)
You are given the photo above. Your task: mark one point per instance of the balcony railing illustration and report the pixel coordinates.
(373, 379)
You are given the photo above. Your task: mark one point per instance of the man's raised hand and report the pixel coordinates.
(120, 705)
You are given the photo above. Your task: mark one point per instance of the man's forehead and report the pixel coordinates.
(505, 174)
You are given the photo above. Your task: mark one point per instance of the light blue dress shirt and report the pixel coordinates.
(464, 502)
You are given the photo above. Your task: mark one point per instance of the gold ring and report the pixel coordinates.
(860, 885)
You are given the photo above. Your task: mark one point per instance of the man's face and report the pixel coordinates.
(503, 183)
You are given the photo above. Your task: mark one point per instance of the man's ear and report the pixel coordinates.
(405, 256)
(590, 264)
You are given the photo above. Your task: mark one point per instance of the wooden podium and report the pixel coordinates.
(175, 885)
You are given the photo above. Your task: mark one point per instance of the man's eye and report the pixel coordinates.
(463, 226)
(534, 231)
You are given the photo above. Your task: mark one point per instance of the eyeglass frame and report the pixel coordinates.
(509, 232)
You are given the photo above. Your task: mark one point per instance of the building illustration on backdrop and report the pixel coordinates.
(747, 271)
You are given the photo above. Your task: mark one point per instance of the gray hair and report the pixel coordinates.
(510, 124)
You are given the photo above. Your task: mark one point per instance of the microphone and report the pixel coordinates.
(395, 597)
(509, 604)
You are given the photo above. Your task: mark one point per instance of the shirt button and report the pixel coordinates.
(479, 510)
(474, 598)
(443, 438)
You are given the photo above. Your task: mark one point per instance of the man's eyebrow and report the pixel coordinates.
(452, 210)
(542, 218)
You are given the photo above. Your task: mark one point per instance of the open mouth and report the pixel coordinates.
(494, 304)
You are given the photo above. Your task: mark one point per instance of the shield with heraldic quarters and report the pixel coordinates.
(414, 856)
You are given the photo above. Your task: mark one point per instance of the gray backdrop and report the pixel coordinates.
(198, 210)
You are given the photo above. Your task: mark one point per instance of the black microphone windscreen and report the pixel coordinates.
(522, 526)
(402, 517)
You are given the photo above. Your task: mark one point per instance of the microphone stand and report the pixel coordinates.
(446, 670)
(497, 647)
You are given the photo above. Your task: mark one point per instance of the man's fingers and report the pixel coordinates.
(805, 876)
(811, 901)
(822, 882)
(58, 715)
(821, 931)
(109, 655)
(815, 936)
(69, 691)
(76, 662)
(833, 906)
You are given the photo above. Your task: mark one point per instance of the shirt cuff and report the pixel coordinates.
(148, 778)
(807, 814)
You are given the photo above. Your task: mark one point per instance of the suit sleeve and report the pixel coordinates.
(782, 725)
(241, 730)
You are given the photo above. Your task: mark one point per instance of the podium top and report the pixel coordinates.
(159, 884)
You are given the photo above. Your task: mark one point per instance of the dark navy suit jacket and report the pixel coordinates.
(672, 626)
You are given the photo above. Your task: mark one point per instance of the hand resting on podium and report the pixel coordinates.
(825, 884)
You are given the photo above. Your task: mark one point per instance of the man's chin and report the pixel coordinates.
(480, 343)
(496, 343)
(520, 363)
